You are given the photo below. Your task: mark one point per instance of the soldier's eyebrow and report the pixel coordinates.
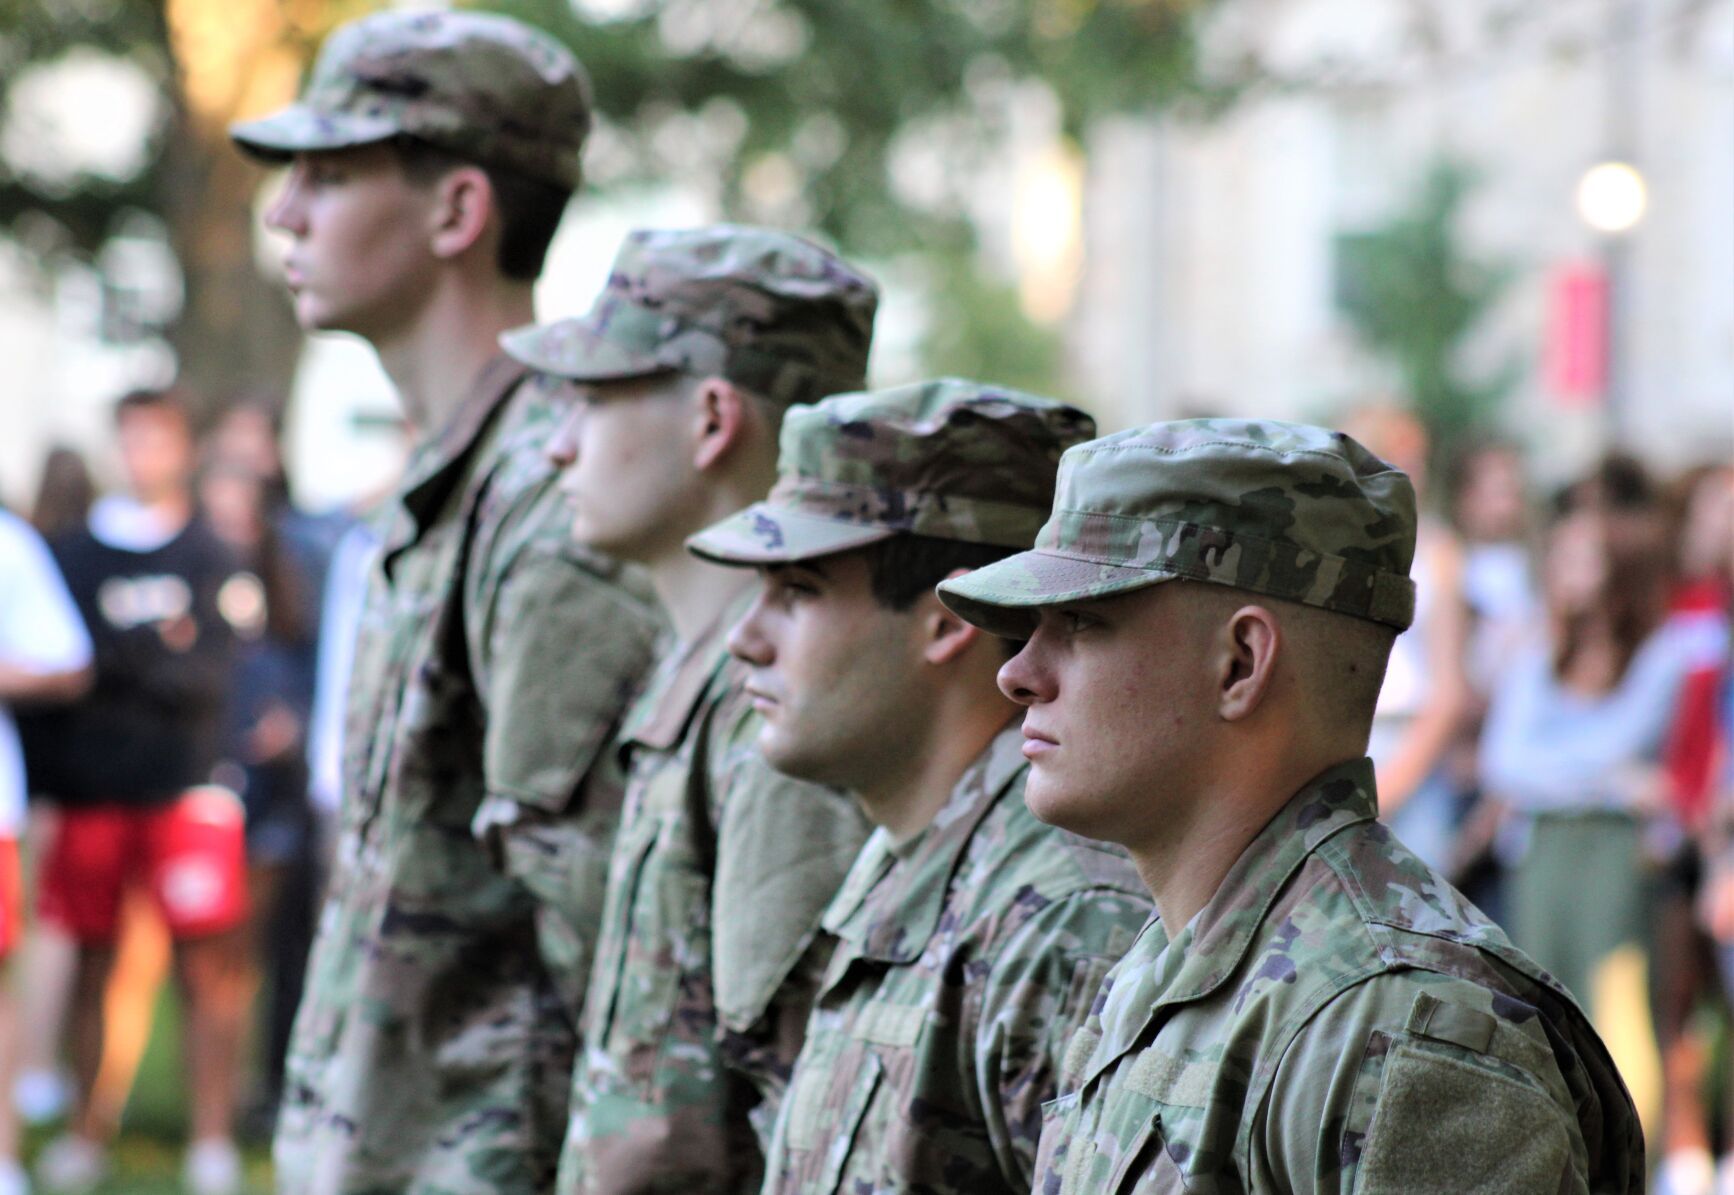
(785, 567)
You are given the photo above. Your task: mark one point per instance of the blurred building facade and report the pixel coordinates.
(1213, 249)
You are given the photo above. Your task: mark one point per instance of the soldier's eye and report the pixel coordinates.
(1074, 621)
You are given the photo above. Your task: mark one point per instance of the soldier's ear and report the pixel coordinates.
(461, 212)
(721, 415)
(1244, 661)
(947, 636)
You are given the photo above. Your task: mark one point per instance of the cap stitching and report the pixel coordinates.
(1284, 452)
(1178, 572)
(1246, 535)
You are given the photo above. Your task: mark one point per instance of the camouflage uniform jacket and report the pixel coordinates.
(432, 1050)
(1337, 1018)
(710, 949)
(968, 957)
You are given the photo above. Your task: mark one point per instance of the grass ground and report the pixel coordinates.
(147, 1158)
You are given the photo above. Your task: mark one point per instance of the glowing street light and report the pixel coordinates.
(1611, 197)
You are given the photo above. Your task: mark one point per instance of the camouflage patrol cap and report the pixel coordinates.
(950, 459)
(767, 310)
(484, 87)
(1280, 509)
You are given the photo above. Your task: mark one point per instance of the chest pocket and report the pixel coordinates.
(419, 718)
(828, 1111)
(660, 942)
(1151, 1165)
(1104, 1159)
(1138, 1134)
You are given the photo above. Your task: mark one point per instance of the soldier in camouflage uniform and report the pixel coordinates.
(1208, 613)
(431, 158)
(710, 945)
(972, 936)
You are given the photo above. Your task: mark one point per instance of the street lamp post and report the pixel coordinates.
(1611, 198)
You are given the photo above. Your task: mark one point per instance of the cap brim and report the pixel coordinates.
(767, 534)
(299, 128)
(1004, 598)
(571, 349)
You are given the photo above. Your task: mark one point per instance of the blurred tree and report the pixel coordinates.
(184, 69)
(868, 120)
(996, 340)
(1414, 297)
(871, 121)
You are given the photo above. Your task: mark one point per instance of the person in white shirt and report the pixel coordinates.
(44, 657)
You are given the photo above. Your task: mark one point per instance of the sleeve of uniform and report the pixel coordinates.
(558, 644)
(783, 849)
(1414, 1083)
(1036, 995)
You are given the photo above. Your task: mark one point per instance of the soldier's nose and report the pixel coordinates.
(1022, 680)
(746, 641)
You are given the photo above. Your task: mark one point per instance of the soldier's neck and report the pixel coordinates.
(913, 782)
(434, 360)
(1191, 852)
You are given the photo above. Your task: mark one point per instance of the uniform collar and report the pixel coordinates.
(893, 899)
(663, 712)
(1158, 973)
(438, 463)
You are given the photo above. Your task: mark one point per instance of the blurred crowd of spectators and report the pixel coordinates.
(1554, 734)
(181, 769)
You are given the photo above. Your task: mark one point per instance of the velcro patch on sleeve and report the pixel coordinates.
(1445, 1125)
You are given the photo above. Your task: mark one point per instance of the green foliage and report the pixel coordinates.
(1414, 297)
(85, 209)
(828, 88)
(996, 340)
(824, 95)
(794, 113)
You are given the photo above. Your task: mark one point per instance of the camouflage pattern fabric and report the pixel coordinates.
(710, 951)
(1337, 1018)
(483, 87)
(773, 313)
(951, 459)
(433, 1047)
(968, 957)
(1281, 509)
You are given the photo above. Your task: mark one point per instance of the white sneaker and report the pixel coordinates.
(1725, 1175)
(13, 1180)
(213, 1168)
(40, 1096)
(1686, 1172)
(70, 1165)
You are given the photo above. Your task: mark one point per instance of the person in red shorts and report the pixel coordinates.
(129, 766)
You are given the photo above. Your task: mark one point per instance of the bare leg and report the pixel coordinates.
(129, 1006)
(90, 984)
(216, 983)
(50, 959)
(8, 1067)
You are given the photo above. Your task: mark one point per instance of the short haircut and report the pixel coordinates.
(170, 402)
(1339, 659)
(530, 209)
(903, 568)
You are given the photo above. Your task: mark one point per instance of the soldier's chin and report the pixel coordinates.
(587, 532)
(1049, 799)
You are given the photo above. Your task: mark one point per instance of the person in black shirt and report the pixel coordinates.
(130, 767)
